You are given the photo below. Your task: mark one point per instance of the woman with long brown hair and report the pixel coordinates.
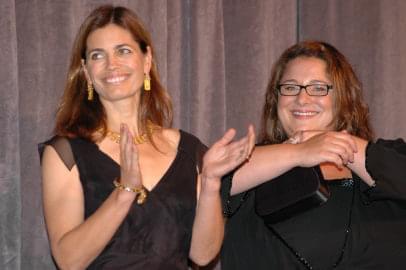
(322, 193)
(121, 189)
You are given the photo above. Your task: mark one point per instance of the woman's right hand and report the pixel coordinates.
(130, 174)
(316, 147)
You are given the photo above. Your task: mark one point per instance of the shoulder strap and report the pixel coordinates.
(63, 147)
(193, 147)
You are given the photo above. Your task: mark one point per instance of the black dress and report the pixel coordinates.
(156, 234)
(374, 217)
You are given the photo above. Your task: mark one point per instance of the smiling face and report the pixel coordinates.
(304, 112)
(115, 64)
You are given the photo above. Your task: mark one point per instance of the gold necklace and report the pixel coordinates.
(115, 137)
(139, 139)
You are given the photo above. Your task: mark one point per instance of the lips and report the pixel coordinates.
(115, 79)
(304, 113)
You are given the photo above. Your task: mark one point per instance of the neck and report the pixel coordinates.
(122, 112)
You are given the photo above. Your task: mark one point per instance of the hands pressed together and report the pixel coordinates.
(129, 163)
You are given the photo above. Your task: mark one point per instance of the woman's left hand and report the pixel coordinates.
(226, 154)
(222, 157)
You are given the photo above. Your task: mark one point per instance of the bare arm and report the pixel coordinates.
(76, 242)
(208, 227)
(270, 161)
(266, 162)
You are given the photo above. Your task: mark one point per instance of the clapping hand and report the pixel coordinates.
(226, 155)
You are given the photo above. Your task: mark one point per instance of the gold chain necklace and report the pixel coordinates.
(115, 137)
(139, 139)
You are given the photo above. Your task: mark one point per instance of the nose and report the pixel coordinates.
(112, 62)
(303, 97)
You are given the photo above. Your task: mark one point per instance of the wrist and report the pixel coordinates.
(210, 184)
(138, 193)
(124, 198)
(295, 154)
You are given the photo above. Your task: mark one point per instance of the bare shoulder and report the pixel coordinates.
(55, 173)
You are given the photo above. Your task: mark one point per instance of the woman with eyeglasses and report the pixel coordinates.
(322, 194)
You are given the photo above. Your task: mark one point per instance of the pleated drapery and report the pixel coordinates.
(214, 57)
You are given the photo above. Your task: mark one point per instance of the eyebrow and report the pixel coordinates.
(122, 45)
(293, 81)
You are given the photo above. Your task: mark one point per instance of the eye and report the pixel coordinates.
(96, 55)
(124, 51)
(319, 87)
(290, 87)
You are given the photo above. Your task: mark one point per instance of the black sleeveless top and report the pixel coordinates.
(156, 234)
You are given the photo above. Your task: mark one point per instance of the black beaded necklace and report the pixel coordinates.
(348, 183)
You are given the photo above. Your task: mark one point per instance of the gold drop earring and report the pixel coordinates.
(147, 82)
(90, 90)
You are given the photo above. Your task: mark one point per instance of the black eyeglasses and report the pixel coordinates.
(319, 90)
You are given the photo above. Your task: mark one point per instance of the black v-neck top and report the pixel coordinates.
(376, 236)
(156, 234)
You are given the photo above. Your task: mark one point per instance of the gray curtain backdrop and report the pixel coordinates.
(214, 56)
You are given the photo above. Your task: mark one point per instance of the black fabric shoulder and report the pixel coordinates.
(399, 145)
(193, 147)
(63, 149)
(385, 162)
(395, 149)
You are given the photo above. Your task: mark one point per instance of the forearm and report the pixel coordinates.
(208, 227)
(266, 162)
(77, 248)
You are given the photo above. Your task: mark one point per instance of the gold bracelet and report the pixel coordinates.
(141, 193)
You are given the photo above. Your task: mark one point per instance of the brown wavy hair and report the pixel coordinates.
(350, 111)
(79, 117)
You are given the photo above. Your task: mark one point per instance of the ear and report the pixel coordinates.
(84, 68)
(147, 60)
